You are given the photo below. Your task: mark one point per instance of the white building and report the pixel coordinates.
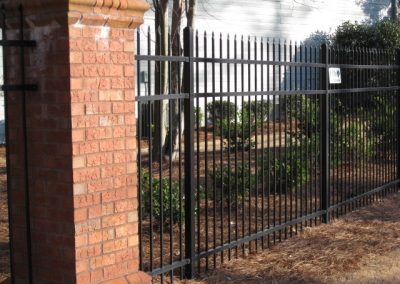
(286, 19)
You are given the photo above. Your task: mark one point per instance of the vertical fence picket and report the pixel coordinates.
(170, 178)
(324, 115)
(229, 200)
(269, 147)
(221, 149)
(236, 79)
(188, 88)
(206, 148)
(198, 162)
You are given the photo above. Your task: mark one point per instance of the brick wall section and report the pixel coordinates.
(81, 142)
(104, 152)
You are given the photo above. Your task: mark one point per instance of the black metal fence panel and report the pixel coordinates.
(364, 127)
(243, 142)
(21, 45)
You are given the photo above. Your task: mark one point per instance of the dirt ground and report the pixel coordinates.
(362, 247)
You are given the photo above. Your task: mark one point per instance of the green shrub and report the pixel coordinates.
(170, 196)
(356, 144)
(226, 180)
(306, 112)
(383, 34)
(351, 139)
(288, 174)
(384, 132)
(354, 35)
(218, 110)
(387, 34)
(262, 107)
(241, 126)
(281, 174)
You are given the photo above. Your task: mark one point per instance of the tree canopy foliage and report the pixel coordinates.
(383, 34)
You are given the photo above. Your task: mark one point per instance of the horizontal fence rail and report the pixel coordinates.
(243, 142)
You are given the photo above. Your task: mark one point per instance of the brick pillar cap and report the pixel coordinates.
(112, 13)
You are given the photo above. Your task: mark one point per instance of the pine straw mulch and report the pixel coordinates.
(361, 247)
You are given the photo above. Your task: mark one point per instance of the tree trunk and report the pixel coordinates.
(394, 10)
(176, 109)
(191, 13)
(163, 143)
(176, 69)
(161, 79)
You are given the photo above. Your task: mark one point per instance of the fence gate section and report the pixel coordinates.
(243, 142)
(17, 84)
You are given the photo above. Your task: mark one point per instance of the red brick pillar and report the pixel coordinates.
(81, 142)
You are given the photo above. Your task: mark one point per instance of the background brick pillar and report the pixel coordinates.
(81, 142)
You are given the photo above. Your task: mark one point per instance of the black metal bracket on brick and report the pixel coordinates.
(18, 43)
(19, 87)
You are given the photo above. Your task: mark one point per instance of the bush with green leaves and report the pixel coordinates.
(259, 110)
(287, 174)
(219, 110)
(239, 126)
(354, 35)
(230, 180)
(356, 143)
(306, 111)
(345, 138)
(165, 197)
(281, 174)
(387, 34)
(383, 34)
(250, 119)
(382, 130)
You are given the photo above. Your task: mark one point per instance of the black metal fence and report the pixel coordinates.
(247, 143)
(17, 83)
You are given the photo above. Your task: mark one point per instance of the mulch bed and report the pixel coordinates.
(347, 181)
(361, 247)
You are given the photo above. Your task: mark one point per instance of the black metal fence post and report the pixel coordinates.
(188, 88)
(324, 119)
